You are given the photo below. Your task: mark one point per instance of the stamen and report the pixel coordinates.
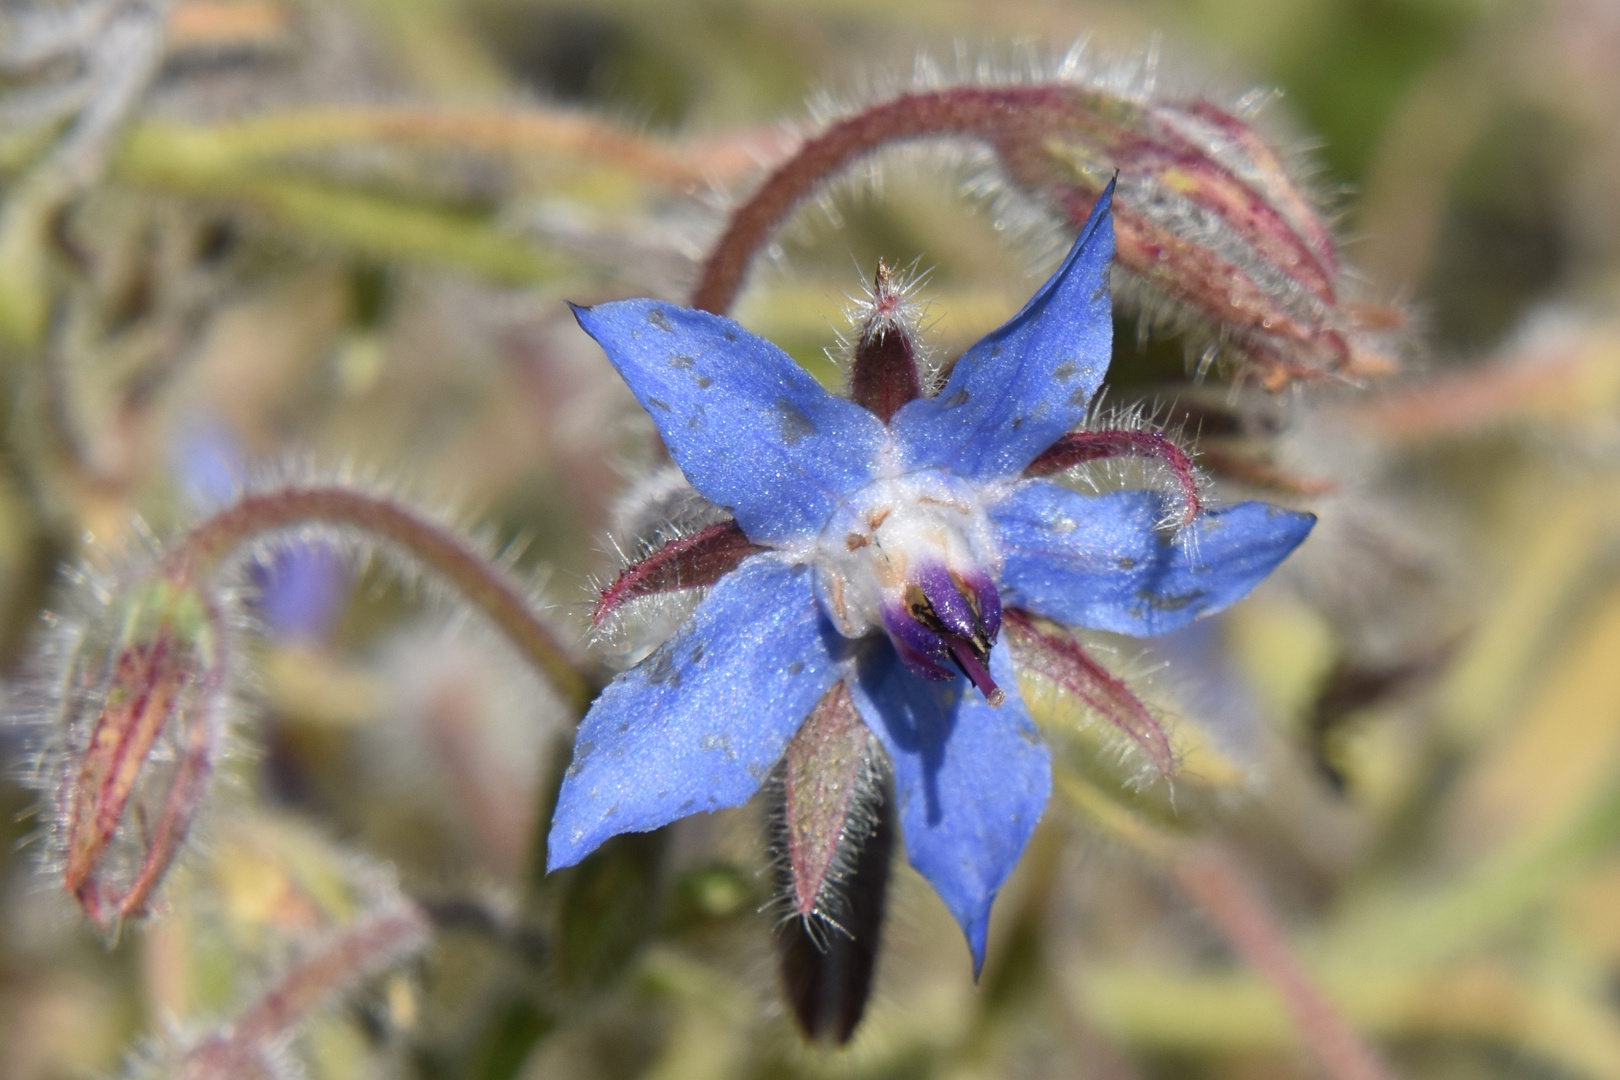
(973, 667)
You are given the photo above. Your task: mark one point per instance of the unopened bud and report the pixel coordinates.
(142, 713)
(834, 836)
(1210, 224)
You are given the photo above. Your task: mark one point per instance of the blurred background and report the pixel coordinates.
(340, 234)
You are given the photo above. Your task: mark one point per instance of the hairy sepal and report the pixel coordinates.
(684, 562)
(1050, 652)
(1081, 447)
(833, 843)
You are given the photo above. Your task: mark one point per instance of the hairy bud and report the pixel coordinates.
(1212, 225)
(833, 836)
(141, 722)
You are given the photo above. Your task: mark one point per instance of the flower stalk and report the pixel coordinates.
(1210, 222)
(479, 581)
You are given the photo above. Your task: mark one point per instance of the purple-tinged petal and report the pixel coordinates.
(1017, 390)
(970, 780)
(302, 591)
(1097, 561)
(699, 723)
(751, 429)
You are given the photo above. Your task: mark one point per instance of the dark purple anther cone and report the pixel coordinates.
(945, 626)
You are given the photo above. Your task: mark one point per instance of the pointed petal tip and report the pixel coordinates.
(977, 930)
(560, 854)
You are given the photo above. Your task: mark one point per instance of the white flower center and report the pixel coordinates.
(889, 533)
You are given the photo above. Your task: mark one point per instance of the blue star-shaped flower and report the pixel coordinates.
(882, 556)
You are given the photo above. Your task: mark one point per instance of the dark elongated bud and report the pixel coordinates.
(685, 562)
(833, 840)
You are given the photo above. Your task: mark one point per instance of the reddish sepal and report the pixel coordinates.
(1054, 655)
(885, 371)
(686, 562)
(1079, 447)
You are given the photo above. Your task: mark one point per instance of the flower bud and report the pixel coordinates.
(1210, 225)
(833, 836)
(141, 715)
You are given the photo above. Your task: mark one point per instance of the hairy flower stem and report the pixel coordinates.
(481, 582)
(959, 111)
(1207, 216)
(356, 953)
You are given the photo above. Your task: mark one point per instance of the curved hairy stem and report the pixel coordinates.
(480, 581)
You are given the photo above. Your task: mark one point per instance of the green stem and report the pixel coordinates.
(381, 227)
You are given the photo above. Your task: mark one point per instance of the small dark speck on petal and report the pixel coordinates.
(688, 804)
(680, 361)
(624, 726)
(798, 569)
(1101, 294)
(704, 382)
(958, 398)
(610, 811)
(658, 403)
(794, 425)
(731, 335)
(657, 317)
(697, 652)
(1127, 563)
(795, 667)
(1080, 397)
(1064, 371)
(661, 669)
(1018, 422)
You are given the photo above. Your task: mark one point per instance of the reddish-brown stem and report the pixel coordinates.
(356, 953)
(686, 562)
(478, 579)
(1210, 878)
(1053, 654)
(1079, 447)
(967, 110)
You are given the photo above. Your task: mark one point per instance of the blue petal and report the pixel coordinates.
(971, 781)
(1011, 395)
(1097, 561)
(750, 428)
(698, 724)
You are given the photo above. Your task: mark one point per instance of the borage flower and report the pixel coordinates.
(878, 548)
